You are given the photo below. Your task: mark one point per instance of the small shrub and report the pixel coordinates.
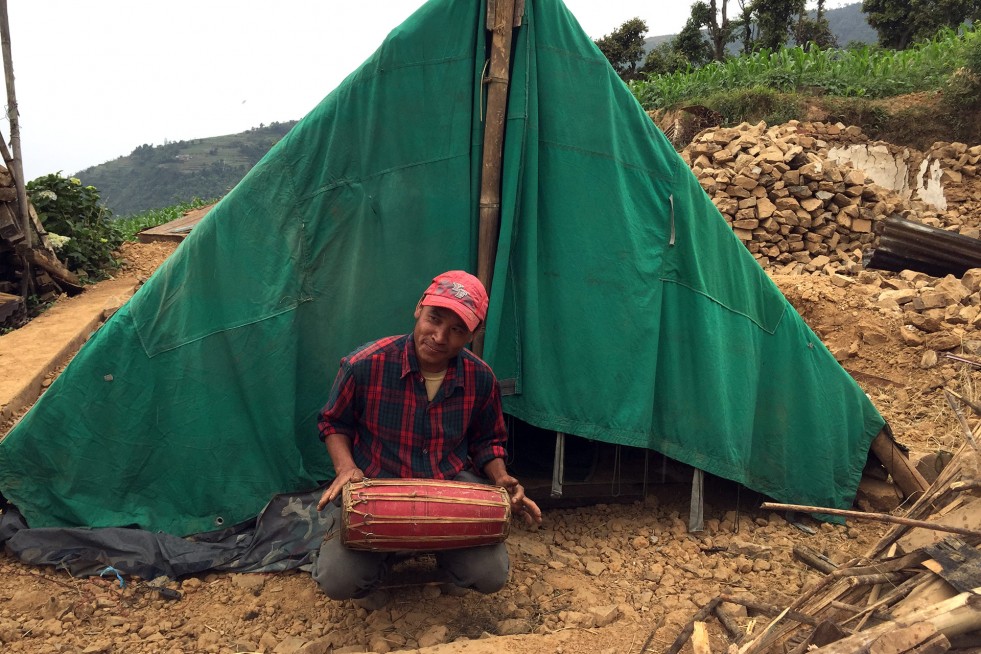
(70, 210)
(755, 104)
(963, 88)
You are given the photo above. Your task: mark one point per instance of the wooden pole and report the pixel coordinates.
(13, 114)
(15, 163)
(904, 474)
(500, 21)
(878, 517)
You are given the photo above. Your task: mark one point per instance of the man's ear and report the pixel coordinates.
(418, 311)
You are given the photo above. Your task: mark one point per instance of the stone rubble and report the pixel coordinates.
(799, 210)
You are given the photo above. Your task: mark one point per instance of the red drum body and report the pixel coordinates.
(398, 515)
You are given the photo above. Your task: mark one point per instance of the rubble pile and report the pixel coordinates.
(800, 205)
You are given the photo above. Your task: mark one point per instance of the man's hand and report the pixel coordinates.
(521, 504)
(336, 486)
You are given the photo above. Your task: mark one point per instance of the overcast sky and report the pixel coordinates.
(96, 79)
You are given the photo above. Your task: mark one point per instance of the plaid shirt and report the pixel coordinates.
(379, 400)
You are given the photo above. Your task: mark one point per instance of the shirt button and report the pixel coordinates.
(425, 450)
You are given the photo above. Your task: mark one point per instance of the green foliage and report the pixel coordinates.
(665, 59)
(68, 209)
(963, 88)
(863, 72)
(624, 47)
(130, 227)
(900, 23)
(754, 104)
(690, 43)
(774, 19)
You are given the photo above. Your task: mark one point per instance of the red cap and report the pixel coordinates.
(460, 292)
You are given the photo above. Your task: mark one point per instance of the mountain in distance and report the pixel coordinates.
(153, 177)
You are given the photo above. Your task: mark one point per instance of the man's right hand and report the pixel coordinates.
(336, 486)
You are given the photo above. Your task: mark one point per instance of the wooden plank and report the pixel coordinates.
(175, 230)
(904, 474)
(903, 640)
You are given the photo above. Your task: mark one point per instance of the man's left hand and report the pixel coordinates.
(521, 504)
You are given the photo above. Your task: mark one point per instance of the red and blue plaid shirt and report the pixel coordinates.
(379, 400)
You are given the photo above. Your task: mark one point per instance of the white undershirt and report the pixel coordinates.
(433, 382)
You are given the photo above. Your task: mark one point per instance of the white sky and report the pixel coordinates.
(96, 79)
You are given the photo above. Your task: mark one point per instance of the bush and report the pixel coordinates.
(963, 88)
(70, 210)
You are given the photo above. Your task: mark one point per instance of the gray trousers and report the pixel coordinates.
(344, 573)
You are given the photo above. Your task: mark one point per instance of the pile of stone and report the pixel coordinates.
(941, 314)
(803, 198)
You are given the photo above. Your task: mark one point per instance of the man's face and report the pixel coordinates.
(439, 336)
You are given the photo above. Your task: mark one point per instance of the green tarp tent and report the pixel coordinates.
(623, 308)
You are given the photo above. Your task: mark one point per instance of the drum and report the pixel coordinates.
(399, 515)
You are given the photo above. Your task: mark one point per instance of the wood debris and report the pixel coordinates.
(916, 591)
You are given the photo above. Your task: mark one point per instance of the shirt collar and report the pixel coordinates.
(410, 363)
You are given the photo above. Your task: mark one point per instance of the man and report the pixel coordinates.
(418, 406)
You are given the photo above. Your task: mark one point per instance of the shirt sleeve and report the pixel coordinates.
(338, 415)
(488, 433)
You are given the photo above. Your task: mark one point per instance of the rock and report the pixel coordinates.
(513, 627)
(379, 644)
(435, 635)
(930, 464)
(877, 494)
(911, 336)
(942, 341)
(604, 615)
(595, 568)
(928, 360)
(251, 583)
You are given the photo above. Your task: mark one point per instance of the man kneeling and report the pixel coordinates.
(418, 405)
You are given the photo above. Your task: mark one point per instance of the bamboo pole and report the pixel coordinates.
(500, 21)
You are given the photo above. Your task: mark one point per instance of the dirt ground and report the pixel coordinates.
(620, 577)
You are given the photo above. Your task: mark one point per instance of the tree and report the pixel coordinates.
(899, 23)
(664, 60)
(720, 29)
(690, 43)
(624, 48)
(744, 26)
(774, 19)
(815, 31)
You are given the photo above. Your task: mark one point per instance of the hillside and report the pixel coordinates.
(151, 176)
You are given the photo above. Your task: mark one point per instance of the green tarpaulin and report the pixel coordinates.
(623, 308)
